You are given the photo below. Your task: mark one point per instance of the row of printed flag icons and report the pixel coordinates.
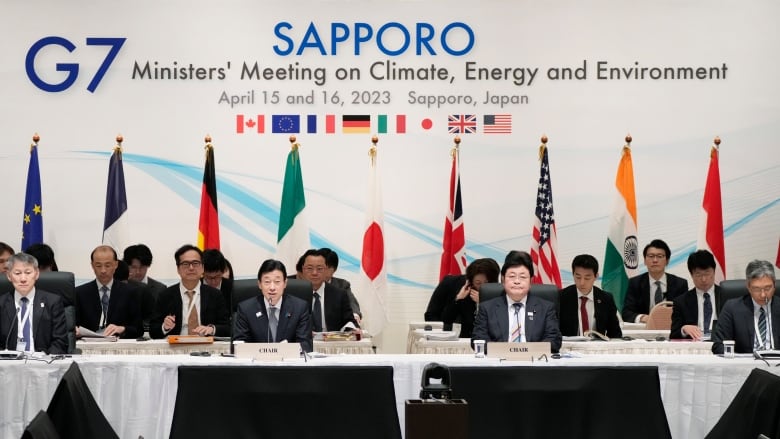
(363, 124)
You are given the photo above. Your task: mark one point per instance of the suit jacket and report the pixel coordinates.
(294, 324)
(541, 324)
(124, 308)
(457, 311)
(48, 316)
(735, 322)
(443, 294)
(345, 285)
(212, 311)
(686, 311)
(338, 311)
(637, 299)
(604, 313)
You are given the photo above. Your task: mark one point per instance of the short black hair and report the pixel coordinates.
(44, 254)
(270, 265)
(214, 260)
(184, 249)
(122, 272)
(140, 252)
(6, 248)
(331, 258)
(517, 258)
(701, 259)
(658, 243)
(312, 252)
(587, 262)
(487, 266)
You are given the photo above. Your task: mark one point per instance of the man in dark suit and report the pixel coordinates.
(516, 315)
(752, 321)
(214, 268)
(107, 304)
(190, 307)
(585, 307)
(331, 310)
(648, 289)
(36, 317)
(332, 264)
(695, 311)
(272, 316)
(138, 259)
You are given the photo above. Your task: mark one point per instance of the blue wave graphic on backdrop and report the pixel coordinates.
(185, 181)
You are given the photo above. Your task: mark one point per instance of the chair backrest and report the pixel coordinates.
(242, 289)
(301, 289)
(660, 316)
(548, 292)
(62, 283)
(41, 427)
(490, 290)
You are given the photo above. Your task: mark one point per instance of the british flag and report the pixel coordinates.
(453, 256)
(544, 239)
(462, 123)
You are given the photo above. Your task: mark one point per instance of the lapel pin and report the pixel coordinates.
(259, 314)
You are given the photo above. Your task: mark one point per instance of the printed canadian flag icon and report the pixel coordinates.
(244, 124)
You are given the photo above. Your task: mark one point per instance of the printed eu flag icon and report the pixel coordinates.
(286, 123)
(32, 224)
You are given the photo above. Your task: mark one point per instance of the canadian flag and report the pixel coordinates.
(247, 124)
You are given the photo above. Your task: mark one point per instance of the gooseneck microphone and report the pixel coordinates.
(8, 354)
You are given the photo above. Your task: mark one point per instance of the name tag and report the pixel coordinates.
(267, 351)
(518, 351)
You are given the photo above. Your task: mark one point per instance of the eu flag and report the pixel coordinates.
(32, 225)
(286, 123)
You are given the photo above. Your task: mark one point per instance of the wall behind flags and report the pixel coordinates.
(166, 74)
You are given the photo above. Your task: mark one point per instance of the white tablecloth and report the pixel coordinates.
(137, 393)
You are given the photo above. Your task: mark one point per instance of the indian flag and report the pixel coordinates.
(293, 237)
(622, 255)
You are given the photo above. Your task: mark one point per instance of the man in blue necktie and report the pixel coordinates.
(695, 311)
(516, 315)
(35, 318)
(752, 321)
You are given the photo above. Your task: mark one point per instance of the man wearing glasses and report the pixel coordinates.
(331, 310)
(189, 307)
(696, 311)
(651, 288)
(752, 321)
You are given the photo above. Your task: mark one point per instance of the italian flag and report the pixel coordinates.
(293, 237)
(711, 231)
(373, 268)
(622, 255)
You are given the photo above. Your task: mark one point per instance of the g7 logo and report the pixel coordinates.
(71, 68)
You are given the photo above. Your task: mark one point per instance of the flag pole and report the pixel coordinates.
(455, 149)
(543, 146)
(118, 147)
(35, 138)
(372, 150)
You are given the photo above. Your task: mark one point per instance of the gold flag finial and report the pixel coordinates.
(36, 138)
(628, 142)
(293, 144)
(456, 148)
(716, 147)
(372, 150)
(542, 146)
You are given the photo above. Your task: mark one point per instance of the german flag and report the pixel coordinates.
(208, 226)
(356, 124)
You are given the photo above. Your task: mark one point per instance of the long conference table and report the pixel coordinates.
(137, 393)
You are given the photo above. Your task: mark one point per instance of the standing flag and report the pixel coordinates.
(544, 238)
(777, 262)
(32, 224)
(293, 237)
(453, 256)
(114, 224)
(372, 263)
(711, 231)
(622, 256)
(208, 225)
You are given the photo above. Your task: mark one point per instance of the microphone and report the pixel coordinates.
(7, 354)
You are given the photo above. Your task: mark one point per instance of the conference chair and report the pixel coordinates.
(754, 410)
(242, 289)
(41, 427)
(490, 290)
(301, 289)
(660, 317)
(74, 411)
(62, 283)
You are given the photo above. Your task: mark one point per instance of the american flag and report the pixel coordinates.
(462, 123)
(544, 239)
(453, 256)
(497, 124)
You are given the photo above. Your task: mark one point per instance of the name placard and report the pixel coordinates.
(267, 351)
(518, 351)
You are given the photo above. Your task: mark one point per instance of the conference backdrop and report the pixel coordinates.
(498, 74)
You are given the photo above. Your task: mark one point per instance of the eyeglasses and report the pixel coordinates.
(312, 269)
(757, 290)
(656, 256)
(190, 264)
